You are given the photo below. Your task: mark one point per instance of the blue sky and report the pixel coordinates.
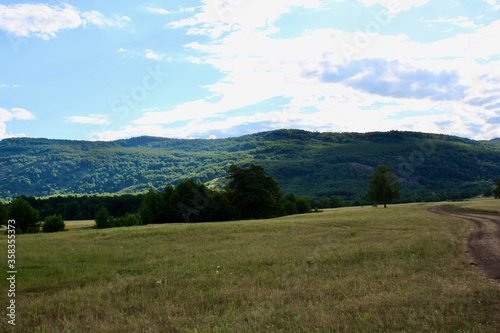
(106, 70)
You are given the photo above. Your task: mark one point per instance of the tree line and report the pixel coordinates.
(249, 194)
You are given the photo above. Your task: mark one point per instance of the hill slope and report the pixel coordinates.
(305, 163)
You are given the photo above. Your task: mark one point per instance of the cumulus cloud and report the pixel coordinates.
(391, 78)
(45, 21)
(219, 17)
(7, 115)
(15, 114)
(389, 82)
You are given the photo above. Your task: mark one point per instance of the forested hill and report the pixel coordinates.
(304, 163)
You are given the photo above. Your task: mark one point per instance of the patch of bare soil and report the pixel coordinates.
(483, 241)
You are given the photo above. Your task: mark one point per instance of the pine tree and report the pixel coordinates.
(102, 219)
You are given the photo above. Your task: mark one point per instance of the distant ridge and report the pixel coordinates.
(305, 163)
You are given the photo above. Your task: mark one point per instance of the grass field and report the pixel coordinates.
(361, 269)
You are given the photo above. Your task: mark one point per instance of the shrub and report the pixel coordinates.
(128, 220)
(53, 223)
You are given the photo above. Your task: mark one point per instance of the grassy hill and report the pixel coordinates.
(401, 269)
(430, 167)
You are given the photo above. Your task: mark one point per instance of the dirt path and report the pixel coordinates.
(484, 240)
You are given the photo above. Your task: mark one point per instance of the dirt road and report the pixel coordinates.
(484, 240)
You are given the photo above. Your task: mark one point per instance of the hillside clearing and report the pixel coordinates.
(400, 269)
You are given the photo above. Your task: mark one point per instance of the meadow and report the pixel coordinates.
(357, 269)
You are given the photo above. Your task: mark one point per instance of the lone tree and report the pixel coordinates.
(496, 191)
(384, 186)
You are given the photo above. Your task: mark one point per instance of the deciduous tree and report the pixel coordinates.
(53, 223)
(253, 193)
(191, 200)
(384, 186)
(151, 208)
(26, 217)
(3, 214)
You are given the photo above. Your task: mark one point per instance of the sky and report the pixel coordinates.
(108, 70)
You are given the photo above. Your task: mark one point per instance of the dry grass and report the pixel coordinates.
(400, 269)
(483, 204)
(79, 225)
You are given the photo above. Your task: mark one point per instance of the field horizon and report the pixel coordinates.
(400, 269)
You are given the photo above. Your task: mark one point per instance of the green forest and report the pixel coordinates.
(249, 194)
(328, 168)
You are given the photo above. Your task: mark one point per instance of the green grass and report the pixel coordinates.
(484, 205)
(400, 269)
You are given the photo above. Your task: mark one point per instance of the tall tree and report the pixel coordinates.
(26, 217)
(253, 193)
(384, 186)
(496, 191)
(3, 214)
(151, 208)
(168, 211)
(191, 201)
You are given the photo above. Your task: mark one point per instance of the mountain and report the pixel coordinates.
(429, 166)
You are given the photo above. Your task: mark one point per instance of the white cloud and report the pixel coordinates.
(461, 21)
(494, 3)
(218, 17)
(147, 53)
(280, 67)
(160, 11)
(45, 21)
(100, 20)
(258, 67)
(152, 55)
(163, 11)
(12, 114)
(89, 120)
(395, 6)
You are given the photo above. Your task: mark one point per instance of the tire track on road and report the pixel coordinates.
(483, 241)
